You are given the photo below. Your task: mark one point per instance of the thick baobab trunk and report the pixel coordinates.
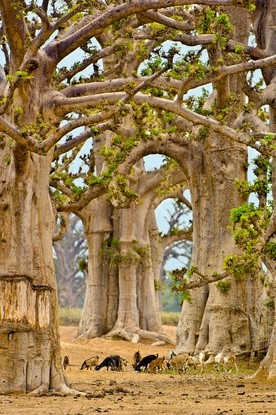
(138, 310)
(101, 298)
(121, 297)
(214, 319)
(267, 368)
(30, 358)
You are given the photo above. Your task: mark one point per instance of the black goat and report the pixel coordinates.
(113, 362)
(146, 361)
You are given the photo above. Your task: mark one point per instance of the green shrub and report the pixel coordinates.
(69, 316)
(170, 318)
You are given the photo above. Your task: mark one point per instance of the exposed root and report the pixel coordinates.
(42, 390)
(87, 335)
(124, 334)
(134, 336)
(261, 374)
(63, 390)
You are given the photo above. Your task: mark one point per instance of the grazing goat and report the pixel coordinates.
(191, 362)
(136, 359)
(65, 362)
(145, 362)
(114, 362)
(89, 363)
(157, 364)
(226, 360)
(179, 362)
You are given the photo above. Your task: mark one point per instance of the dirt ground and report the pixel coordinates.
(130, 393)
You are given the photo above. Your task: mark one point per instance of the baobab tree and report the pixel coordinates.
(123, 275)
(125, 257)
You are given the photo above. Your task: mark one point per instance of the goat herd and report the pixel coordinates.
(180, 363)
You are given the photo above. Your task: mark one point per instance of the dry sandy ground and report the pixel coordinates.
(131, 393)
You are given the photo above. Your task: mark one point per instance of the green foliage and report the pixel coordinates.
(249, 226)
(69, 316)
(83, 265)
(157, 285)
(7, 160)
(270, 250)
(223, 286)
(239, 49)
(157, 28)
(170, 318)
(58, 197)
(270, 304)
(268, 140)
(19, 77)
(191, 271)
(241, 265)
(112, 249)
(240, 214)
(221, 41)
(224, 20)
(203, 133)
(196, 103)
(206, 21)
(179, 282)
(171, 300)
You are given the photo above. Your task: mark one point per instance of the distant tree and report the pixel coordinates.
(178, 253)
(125, 257)
(71, 264)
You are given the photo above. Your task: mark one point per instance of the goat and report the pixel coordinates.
(89, 363)
(178, 362)
(171, 353)
(202, 358)
(226, 360)
(136, 359)
(191, 362)
(114, 362)
(145, 362)
(65, 362)
(157, 364)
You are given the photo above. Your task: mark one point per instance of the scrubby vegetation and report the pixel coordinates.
(71, 317)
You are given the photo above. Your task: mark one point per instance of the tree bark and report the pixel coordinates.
(121, 296)
(30, 358)
(213, 319)
(101, 296)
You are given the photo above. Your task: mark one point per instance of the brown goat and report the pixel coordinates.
(157, 364)
(89, 363)
(136, 359)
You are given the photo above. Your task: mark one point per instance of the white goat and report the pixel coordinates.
(201, 360)
(226, 360)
